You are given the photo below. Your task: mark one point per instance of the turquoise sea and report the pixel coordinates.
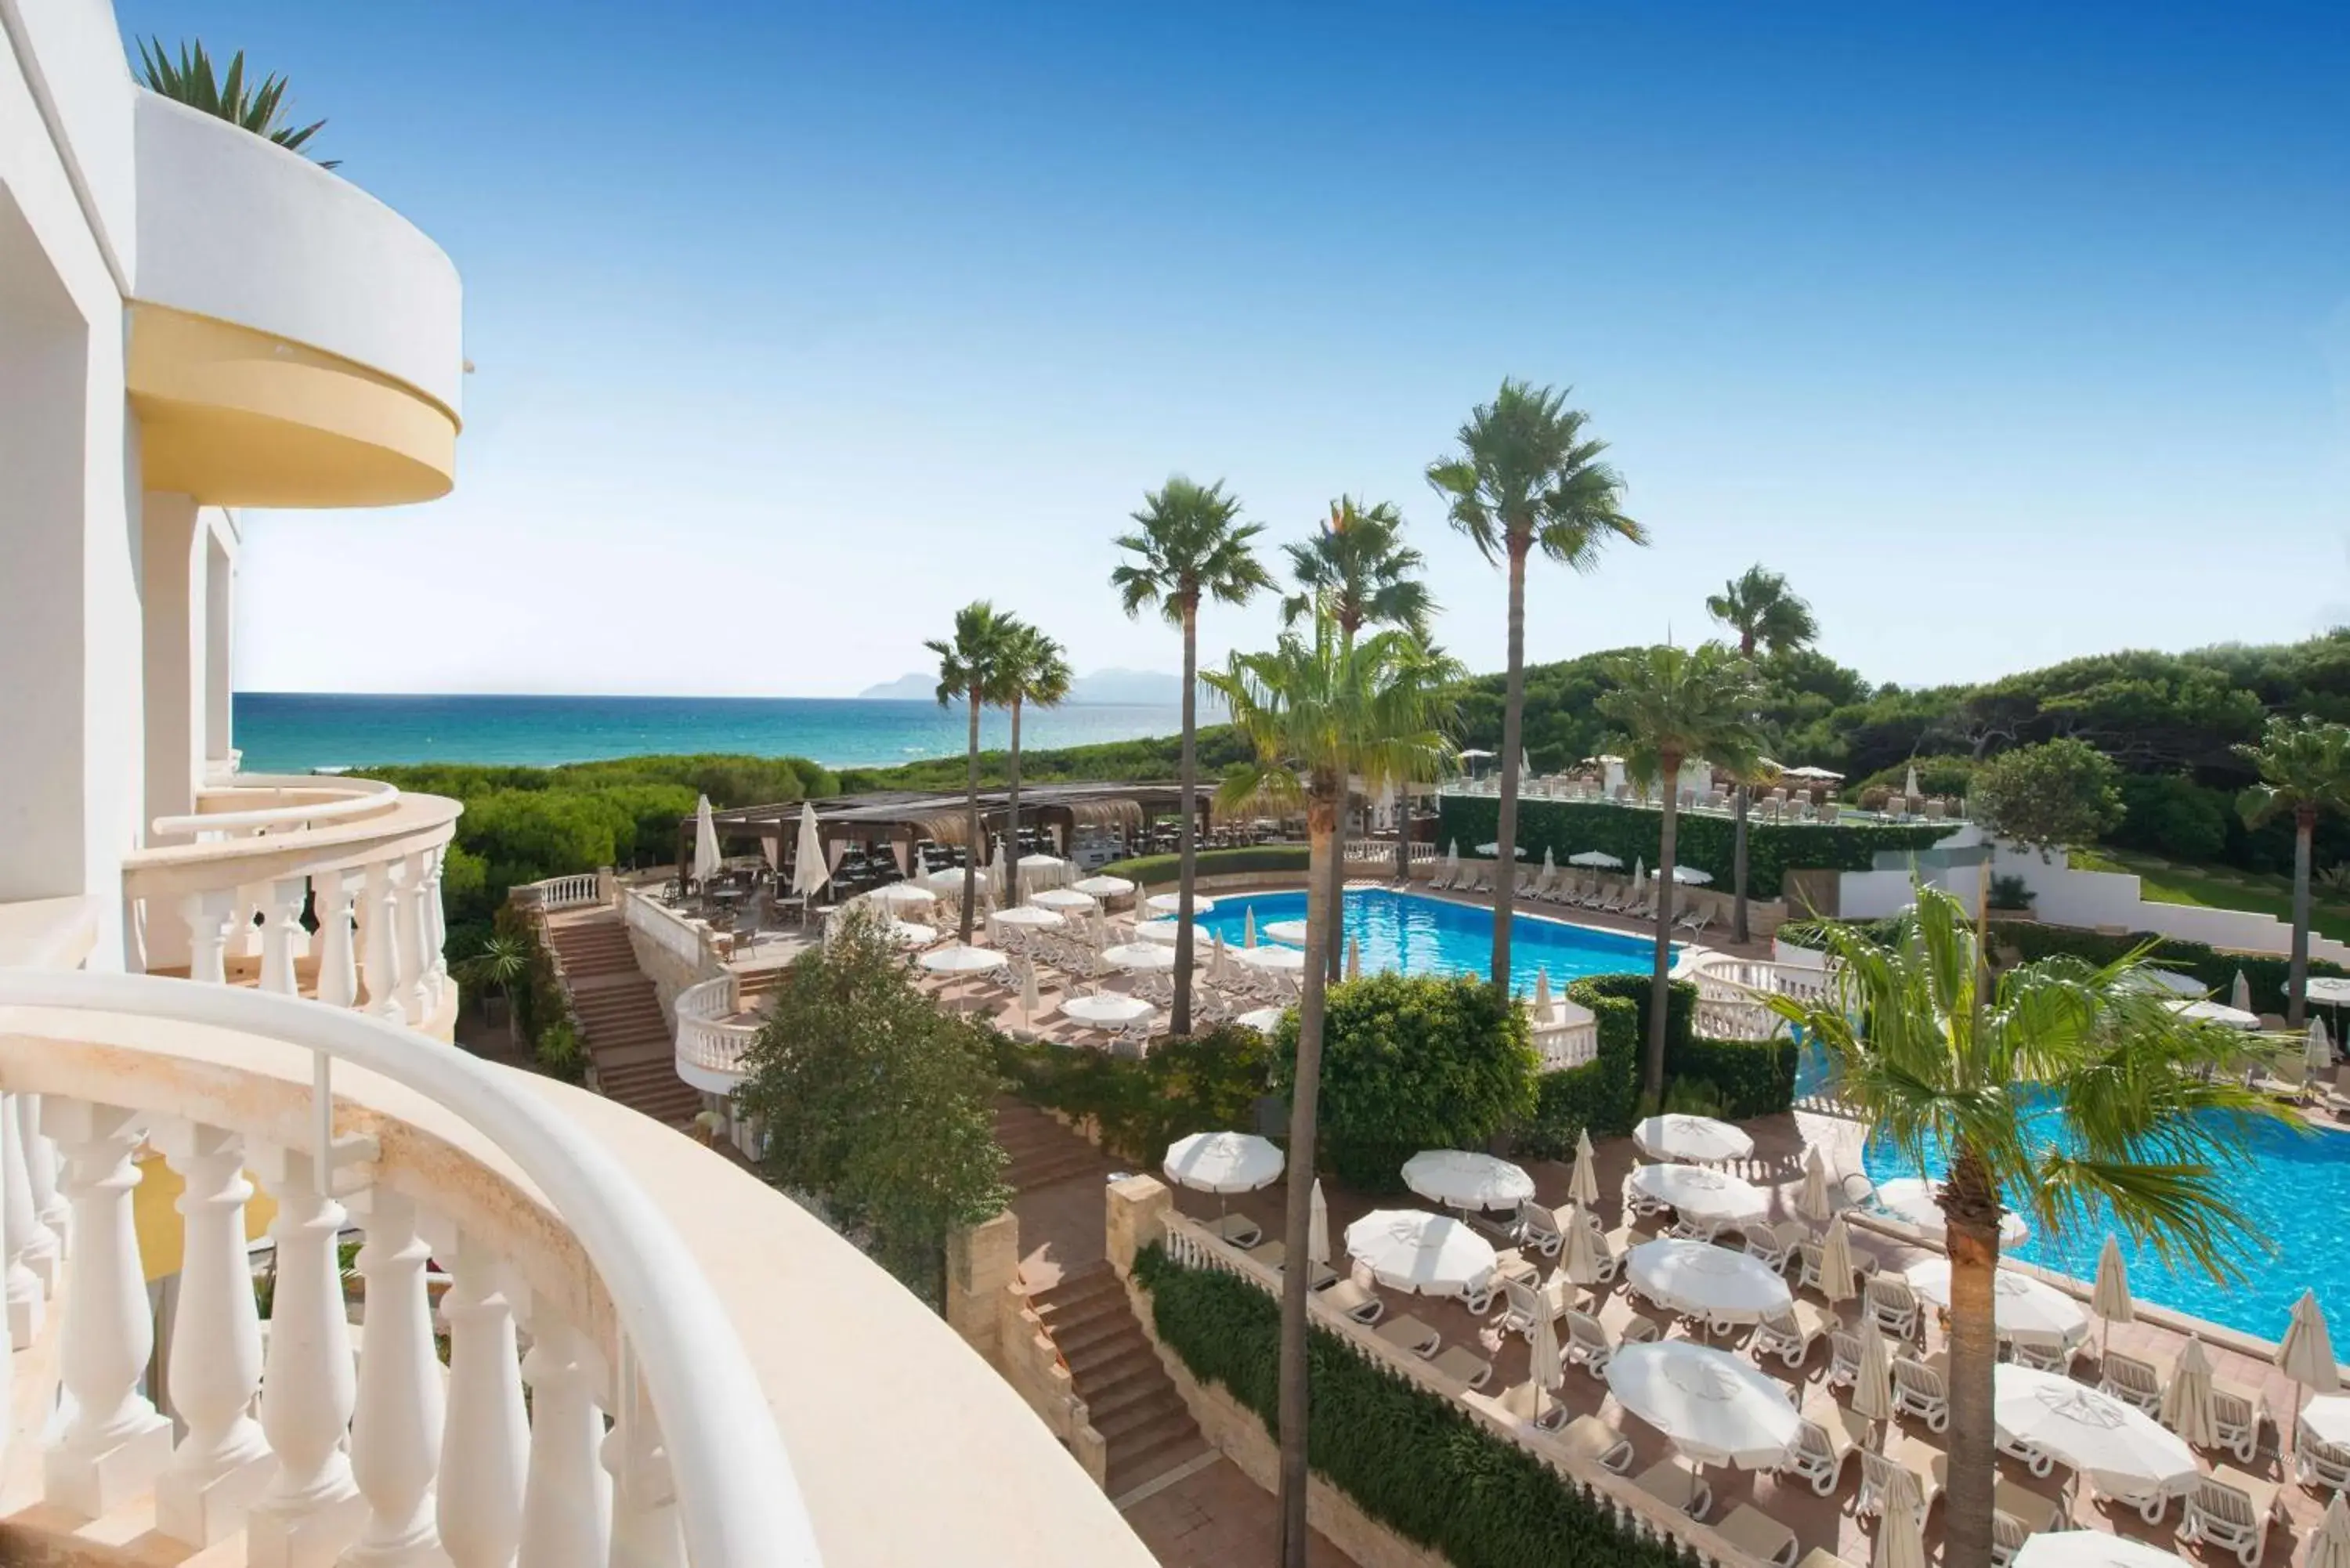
(297, 731)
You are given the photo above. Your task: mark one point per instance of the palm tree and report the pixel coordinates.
(1528, 478)
(2305, 769)
(970, 667)
(189, 80)
(1757, 606)
(497, 966)
(2066, 1091)
(1317, 711)
(1357, 568)
(1191, 545)
(1675, 704)
(1034, 669)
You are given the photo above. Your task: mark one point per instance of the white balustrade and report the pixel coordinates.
(46, 1249)
(688, 941)
(409, 985)
(396, 1429)
(223, 1463)
(568, 892)
(380, 902)
(566, 1498)
(485, 1436)
(331, 898)
(711, 1041)
(312, 1508)
(20, 1226)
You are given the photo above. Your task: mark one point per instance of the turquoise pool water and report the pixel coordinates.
(2293, 1191)
(1412, 935)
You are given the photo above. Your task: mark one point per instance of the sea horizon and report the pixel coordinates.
(307, 731)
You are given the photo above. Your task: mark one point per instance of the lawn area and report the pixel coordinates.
(2218, 887)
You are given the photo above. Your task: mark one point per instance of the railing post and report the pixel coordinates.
(281, 928)
(338, 975)
(485, 1433)
(645, 1533)
(114, 1443)
(567, 1501)
(396, 1429)
(380, 900)
(415, 1003)
(312, 1508)
(436, 925)
(207, 914)
(19, 1220)
(49, 1241)
(215, 1370)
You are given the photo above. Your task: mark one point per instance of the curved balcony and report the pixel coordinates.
(1730, 989)
(714, 1032)
(652, 1357)
(226, 903)
(294, 341)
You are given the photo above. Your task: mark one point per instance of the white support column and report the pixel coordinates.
(312, 1508)
(338, 975)
(380, 900)
(485, 1437)
(396, 1433)
(281, 934)
(415, 963)
(20, 1222)
(224, 1461)
(113, 1444)
(436, 927)
(645, 1530)
(208, 915)
(567, 1502)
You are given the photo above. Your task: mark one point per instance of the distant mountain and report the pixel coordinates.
(1102, 688)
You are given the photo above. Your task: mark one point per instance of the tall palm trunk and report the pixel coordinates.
(2296, 1003)
(1179, 1016)
(1661, 992)
(1303, 1106)
(1738, 865)
(1970, 1206)
(1012, 811)
(1513, 729)
(974, 850)
(1334, 952)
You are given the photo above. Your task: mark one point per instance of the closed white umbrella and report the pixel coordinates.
(1836, 1282)
(1597, 859)
(1707, 1282)
(1542, 1369)
(2187, 1404)
(1031, 1002)
(1550, 867)
(1717, 1409)
(1900, 1533)
(1872, 1384)
(706, 858)
(1639, 870)
(1104, 887)
(1003, 871)
(1697, 1193)
(1542, 992)
(1909, 784)
(2329, 1544)
(2023, 1309)
(1409, 1250)
(1583, 1185)
(2240, 996)
(1317, 1227)
(1216, 956)
(2095, 1549)
(1581, 1260)
(1247, 930)
(1354, 959)
(1911, 1199)
(1698, 1140)
(1452, 861)
(809, 873)
(1459, 1178)
(2319, 1054)
(1812, 1198)
(2110, 1297)
(1224, 1162)
(2305, 1354)
(2123, 1449)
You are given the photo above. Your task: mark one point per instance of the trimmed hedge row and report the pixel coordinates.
(1409, 1458)
(1155, 870)
(1204, 1084)
(1748, 1077)
(1703, 841)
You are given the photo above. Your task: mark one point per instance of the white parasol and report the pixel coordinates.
(2329, 1544)
(1909, 784)
(1812, 1198)
(1583, 1186)
(1222, 1161)
(1639, 870)
(1872, 1384)
(2305, 1354)
(959, 960)
(912, 895)
(2333, 990)
(1264, 1020)
(1163, 932)
(1717, 1409)
(1697, 1140)
(1597, 859)
(1542, 992)
(1140, 956)
(2123, 1449)
(1461, 1180)
(2240, 995)
(1248, 929)
(1031, 1002)
(1103, 886)
(1409, 1250)
(1911, 1199)
(2217, 1013)
(1317, 1227)
(1690, 876)
(1215, 956)
(1354, 959)
(2096, 1549)
(1029, 916)
(706, 858)
(809, 873)
(1697, 1193)
(1165, 904)
(1291, 931)
(1580, 1263)
(911, 933)
(1063, 901)
(1836, 1282)
(1290, 961)
(2318, 1054)
(2187, 1404)
(2110, 1298)
(2023, 1309)
(1702, 1279)
(1106, 1010)
(1901, 1522)
(1453, 862)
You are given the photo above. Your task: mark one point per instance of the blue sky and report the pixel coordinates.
(2008, 333)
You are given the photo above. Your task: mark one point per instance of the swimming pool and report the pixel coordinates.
(1412, 935)
(2293, 1189)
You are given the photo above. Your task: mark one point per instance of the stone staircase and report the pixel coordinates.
(1130, 1399)
(628, 1037)
(1043, 1151)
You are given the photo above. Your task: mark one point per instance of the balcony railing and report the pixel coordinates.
(712, 1037)
(224, 894)
(1729, 991)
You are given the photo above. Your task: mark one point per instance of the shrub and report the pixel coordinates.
(1162, 870)
(1210, 1083)
(1411, 1063)
(1704, 841)
(2010, 893)
(1872, 798)
(1744, 1078)
(2173, 816)
(2061, 792)
(1410, 1458)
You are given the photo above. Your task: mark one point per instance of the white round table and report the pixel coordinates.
(1140, 956)
(1106, 1010)
(1264, 1020)
(1288, 960)
(1291, 931)
(961, 959)
(1695, 1193)
(1062, 899)
(1702, 1279)
(2025, 1310)
(1164, 904)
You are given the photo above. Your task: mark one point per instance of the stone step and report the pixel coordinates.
(1145, 1456)
(1134, 1409)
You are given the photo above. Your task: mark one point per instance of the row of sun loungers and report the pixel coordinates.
(1573, 890)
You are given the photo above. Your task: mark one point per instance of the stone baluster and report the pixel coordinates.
(41, 1163)
(208, 915)
(485, 1439)
(380, 900)
(396, 1430)
(567, 1499)
(645, 1529)
(20, 1223)
(215, 1370)
(338, 975)
(407, 914)
(281, 935)
(113, 1444)
(436, 925)
(312, 1508)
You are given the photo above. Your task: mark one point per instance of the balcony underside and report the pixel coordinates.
(237, 417)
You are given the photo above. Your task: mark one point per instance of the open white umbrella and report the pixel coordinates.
(1161, 931)
(1140, 956)
(2187, 1404)
(1317, 1227)
(1517, 851)
(2240, 995)
(1407, 1250)
(1063, 901)
(911, 933)
(809, 873)
(957, 959)
(2171, 981)
(1836, 1281)
(2333, 990)
(2218, 1013)
(1291, 931)
(1872, 1384)
(1812, 1198)
(1354, 959)
(1106, 1010)
(1695, 1141)
(1580, 1262)
(1690, 876)
(1718, 1409)
(1583, 1184)
(2305, 1354)
(706, 858)
(1597, 859)
(1900, 1530)
(1695, 1193)
(1103, 886)
(1911, 1199)
(2096, 1549)
(2329, 1544)
(1029, 916)
(1289, 961)
(1224, 1162)
(2023, 1309)
(1703, 1280)
(1459, 1178)
(1264, 1020)
(2123, 1449)
(2110, 1297)
(910, 895)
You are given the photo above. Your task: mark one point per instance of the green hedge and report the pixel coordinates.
(1411, 1459)
(1207, 1083)
(1160, 870)
(1703, 842)
(1749, 1078)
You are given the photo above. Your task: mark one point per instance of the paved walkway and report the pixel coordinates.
(1218, 1518)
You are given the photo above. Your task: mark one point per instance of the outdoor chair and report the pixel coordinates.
(1889, 1299)
(1760, 1536)
(2016, 1516)
(1238, 1230)
(1407, 1332)
(2057, 1358)
(2231, 1510)
(2132, 1381)
(2317, 1464)
(1676, 1484)
(1607, 1249)
(1483, 882)
(1790, 1333)
(2237, 1416)
(1464, 1366)
(1538, 1227)
(1349, 1297)
(1589, 1344)
(1774, 1244)
(1921, 1388)
(1843, 1357)
(1808, 1257)
(1507, 1231)
(1827, 1436)
(1524, 1306)
(1589, 1438)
